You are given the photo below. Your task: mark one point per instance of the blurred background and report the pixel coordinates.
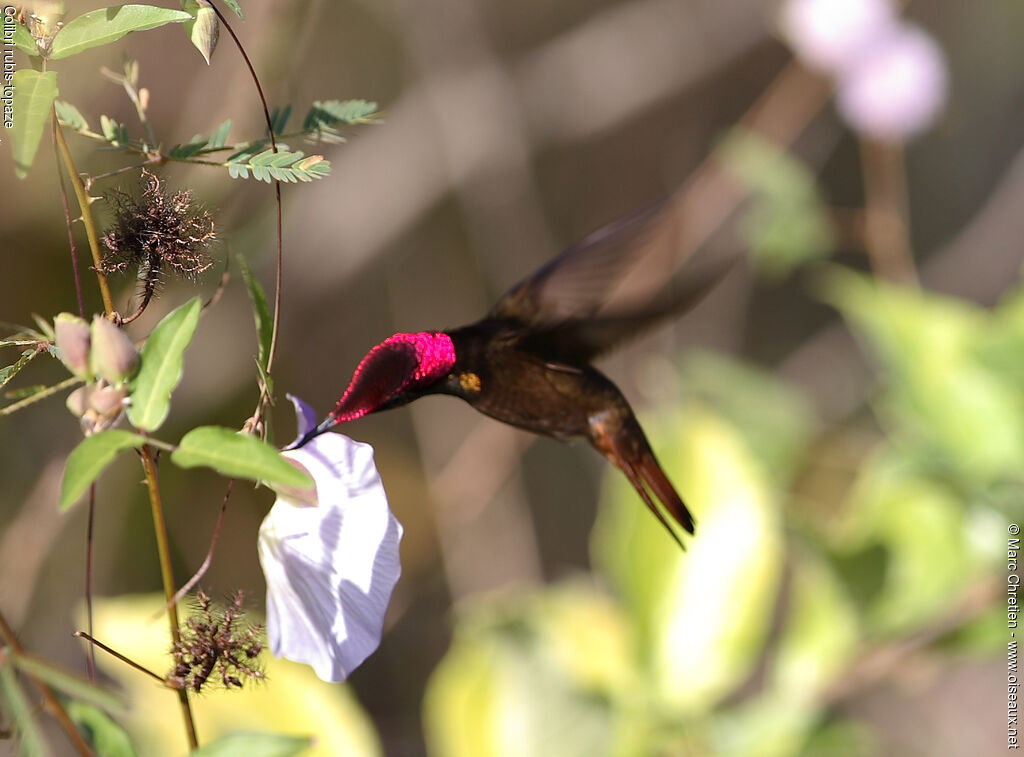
(853, 450)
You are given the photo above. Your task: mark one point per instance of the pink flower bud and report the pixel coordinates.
(114, 357)
(73, 341)
(78, 401)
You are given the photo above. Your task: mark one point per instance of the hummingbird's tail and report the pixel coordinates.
(629, 451)
(655, 478)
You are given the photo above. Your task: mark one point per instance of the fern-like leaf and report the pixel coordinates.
(325, 116)
(287, 166)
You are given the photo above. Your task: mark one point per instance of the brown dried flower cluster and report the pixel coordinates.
(215, 641)
(157, 232)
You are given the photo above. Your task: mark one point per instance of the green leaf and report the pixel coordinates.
(237, 455)
(219, 138)
(68, 683)
(109, 24)
(203, 28)
(820, 633)
(89, 459)
(279, 119)
(776, 421)
(325, 116)
(68, 115)
(528, 666)
(260, 312)
(955, 411)
(914, 518)
(728, 577)
(107, 738)
(34, 93)
(233, 5)
(161, 366)
(8, 373)
(114, 132)
(283, 166)
(786, 224)
(20, 712)
(23, 40)
(255, 745)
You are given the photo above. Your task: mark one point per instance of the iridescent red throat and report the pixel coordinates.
(400, 363)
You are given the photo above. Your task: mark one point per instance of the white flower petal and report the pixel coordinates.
(330, 567)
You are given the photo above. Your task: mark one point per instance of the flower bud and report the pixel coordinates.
(73, 341)
(113, 357)
(107, 401)
(97, 406)
(78, 401)
(203, 28)
(897, 88)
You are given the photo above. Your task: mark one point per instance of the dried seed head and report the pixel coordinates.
(216, 647)
(157, 232)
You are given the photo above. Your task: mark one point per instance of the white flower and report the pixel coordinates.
(898, 86)
(330, 557)
(829, 35)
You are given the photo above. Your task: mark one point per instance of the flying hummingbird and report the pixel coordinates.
(527, 363)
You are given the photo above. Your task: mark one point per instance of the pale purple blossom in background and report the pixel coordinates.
(890, 76)
(330, 556)
(897, 89)
(829, 35)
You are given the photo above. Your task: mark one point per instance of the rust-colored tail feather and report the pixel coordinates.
(646, 469)
(655, 477)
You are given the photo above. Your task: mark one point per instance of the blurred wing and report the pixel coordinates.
(576, 283)
(613, 284)
(581, 340)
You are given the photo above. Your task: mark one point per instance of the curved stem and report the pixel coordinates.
(164, 552)
(277, 193)
(90, 225)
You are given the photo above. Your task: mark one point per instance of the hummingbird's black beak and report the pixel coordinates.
(325, 426)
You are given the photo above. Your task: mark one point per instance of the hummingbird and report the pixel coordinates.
(528, 362)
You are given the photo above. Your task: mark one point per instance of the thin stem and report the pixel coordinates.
(165, 446)
(90, 227)
(153, 161)
(9, 638)
(209, 554)
(67, 220)
(90, 658)
(164, 552)
(277, 195)
(15, 406)
(887, 214)
(93, 642)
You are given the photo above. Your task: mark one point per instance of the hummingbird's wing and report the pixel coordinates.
(581, 340)
(590, 298)
(576, 283)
